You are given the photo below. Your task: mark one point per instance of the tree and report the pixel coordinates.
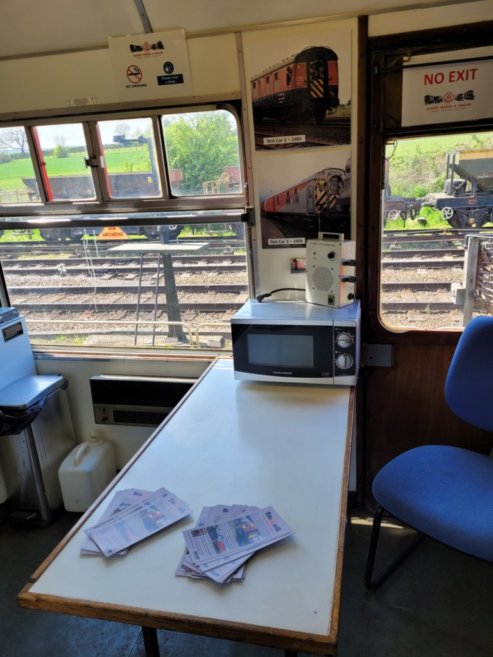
(60, 149)
(13, 139)
(122, 130)
(201, 145)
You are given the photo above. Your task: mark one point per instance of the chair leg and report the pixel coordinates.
(374, 583)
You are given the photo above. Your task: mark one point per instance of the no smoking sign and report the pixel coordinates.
(134, 74)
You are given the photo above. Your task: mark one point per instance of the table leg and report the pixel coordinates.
(151, 644)
(141, 271)
(172, 303)
(32, 451)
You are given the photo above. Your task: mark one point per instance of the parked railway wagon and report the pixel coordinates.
(468, 193)
(324, 196)
(303, 87)
(55, 234)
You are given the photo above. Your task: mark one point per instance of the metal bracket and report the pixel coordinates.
(143, 16)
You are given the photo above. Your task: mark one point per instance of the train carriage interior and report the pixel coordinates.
(297, 196)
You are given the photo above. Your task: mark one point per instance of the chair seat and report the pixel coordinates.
(445, 492)
(29, 390)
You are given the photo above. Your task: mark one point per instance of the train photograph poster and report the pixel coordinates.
(303, 194)
(300, 86)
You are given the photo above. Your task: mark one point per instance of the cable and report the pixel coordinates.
(261, 297)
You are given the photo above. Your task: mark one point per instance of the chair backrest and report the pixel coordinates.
(469, 383)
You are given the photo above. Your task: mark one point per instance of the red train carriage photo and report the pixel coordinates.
(302, 87)
(320, 202)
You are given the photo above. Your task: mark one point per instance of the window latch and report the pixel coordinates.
(94, 161)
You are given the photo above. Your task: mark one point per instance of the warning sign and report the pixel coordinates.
(134, 74)
(112, 233)
(151, 66)
(447, 91)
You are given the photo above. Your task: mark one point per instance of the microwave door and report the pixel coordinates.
(276, 352)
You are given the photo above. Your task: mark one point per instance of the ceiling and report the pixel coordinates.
(49, 26)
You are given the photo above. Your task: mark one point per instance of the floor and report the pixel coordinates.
(438, 603)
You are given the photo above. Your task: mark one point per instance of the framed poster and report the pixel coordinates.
(299, 90)
(302, 195)
(299, 82)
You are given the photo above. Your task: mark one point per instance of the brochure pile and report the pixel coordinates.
(225, 537)
(132, 516)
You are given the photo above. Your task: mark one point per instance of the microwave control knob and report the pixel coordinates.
(344, 361)
(344, 340)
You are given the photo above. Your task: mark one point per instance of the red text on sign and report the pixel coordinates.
(460, 75)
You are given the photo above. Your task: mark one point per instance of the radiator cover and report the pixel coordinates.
(135, 400)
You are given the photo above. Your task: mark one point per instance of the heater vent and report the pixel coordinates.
(135, 400)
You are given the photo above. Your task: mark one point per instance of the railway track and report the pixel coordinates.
(423, 263)
(411, 263)
(131, 290)
(59, 310)
(64, 268)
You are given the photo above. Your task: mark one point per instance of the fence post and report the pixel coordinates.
(470, 270)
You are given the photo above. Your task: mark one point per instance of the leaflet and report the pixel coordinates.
(137, 522)
(120, 501)
(222, 542)
(234, 570)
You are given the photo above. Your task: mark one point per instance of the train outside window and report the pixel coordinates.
(163, 263)
(160, 286)
(437, 237)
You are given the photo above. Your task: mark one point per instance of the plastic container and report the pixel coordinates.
(86, 472)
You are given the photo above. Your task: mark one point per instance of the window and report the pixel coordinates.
(125, 161)
(125, 231)
(160, 285)
(438, 194)
(15, 167)
(63, 161)
(131, 165)
(429, 225)
(202, 153)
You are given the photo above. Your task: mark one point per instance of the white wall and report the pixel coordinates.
(85, 77)
(29, 27)
(427, 18)
(59, 82)
(78, 371)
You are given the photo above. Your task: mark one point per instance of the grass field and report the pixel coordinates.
(418, 166)
(124, 160)
(443, 143)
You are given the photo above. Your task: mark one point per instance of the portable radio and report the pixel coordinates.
(330, 270)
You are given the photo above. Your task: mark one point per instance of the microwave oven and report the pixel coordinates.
(297, 342)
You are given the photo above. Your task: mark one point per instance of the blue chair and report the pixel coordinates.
(445, 492)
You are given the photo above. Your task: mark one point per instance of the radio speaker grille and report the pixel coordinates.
(322, 278)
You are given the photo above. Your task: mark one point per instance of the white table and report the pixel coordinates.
(227, 442)
(163, 253)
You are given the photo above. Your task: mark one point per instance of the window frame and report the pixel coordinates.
(104, 203)
(386, 56)
(107, 211)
